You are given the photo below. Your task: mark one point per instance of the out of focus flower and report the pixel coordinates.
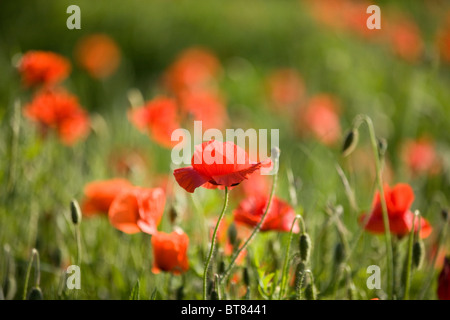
(100, 194)
(43, 68)
(443, 290)
(98, 54)
(216, 164)
(398, 201)
(279, 218)
(170, 252)
(320, 118)
(61, 112)
(224, 239)
(404, 38)
(159, 118)
(127, 160)
(286, 88)
(443, 40)
(205, 106)
(420, 156)
(137, 209)
(195, 68)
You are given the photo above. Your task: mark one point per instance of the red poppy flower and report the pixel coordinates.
(216, 164)
(205, 106)
(279, 217)
(405, 39)
(137, 209)
(195, 68)
(443, 290)
(321, 119)
(398, 201)
(60, 111)
(170, 252)
(420, 156)
(100, 195)
(443, 42)
(98, 54)
(159, 118)
(286, 87)
(42, 67)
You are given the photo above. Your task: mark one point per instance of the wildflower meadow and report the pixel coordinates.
(238, 150)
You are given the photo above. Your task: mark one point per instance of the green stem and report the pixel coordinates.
(387, 231)
(213, 244)
(409, 260)
(78, 238)
(34, 253)
(255, 230)
(286, 259)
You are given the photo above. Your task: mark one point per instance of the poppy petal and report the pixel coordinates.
(189, 179)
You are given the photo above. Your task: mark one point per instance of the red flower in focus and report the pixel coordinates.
(100, 195)
(60, 111)
(420, 156)
(159, 118)
(321, 119)
(170, 252)
(443, 290)
(98, 54)
(279, 217)
(286, 87)
(205, 106)
(195, 68)
(405, 40)
(137, 209)
(216, 164)
(398, 201)
(42, 67)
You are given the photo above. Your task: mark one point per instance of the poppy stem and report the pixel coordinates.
(288, 249)
(387, 232)
(236, 254)
(213, 244)
(409, 259)
(34, 253)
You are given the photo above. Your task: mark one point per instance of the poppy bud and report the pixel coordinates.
(232, 234)
(173, 215)
(75, 211)
(350, 142)
(246, 277)
(444, 214)
(35, 294)
(339, 253)
(299, 275)
(310, 292)
(382, 146)
(305, 247)
(10, 287)
(418, 254)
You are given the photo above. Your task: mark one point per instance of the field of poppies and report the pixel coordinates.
(93, 205)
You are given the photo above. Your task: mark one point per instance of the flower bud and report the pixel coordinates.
(310, 292)
(75, 211)
(339, 253)
(305, 247)
(444, 214)
(418, 254)
(35, 294)
(382, 147)
(350, 142)
(232, 234)
(246, 276)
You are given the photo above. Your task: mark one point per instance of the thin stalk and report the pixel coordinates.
(286, 259)
(213, 244)
(34, 253)
(387, 232)
(255, 230)
(409, 260)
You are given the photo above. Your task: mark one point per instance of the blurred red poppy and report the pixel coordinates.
(286, 88)
(216, 164)
(98, 54)
(320, 118)
(205, 106)
(443, 290)
(443, 42)
(279, 218)
(137, 209)
(398, 201)
(43, 68)
(60, 111)
(100, 194)
(195, 68)
(170, 252)
(404, 38)
(159, 118)
(257, 184)
(420, 156)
